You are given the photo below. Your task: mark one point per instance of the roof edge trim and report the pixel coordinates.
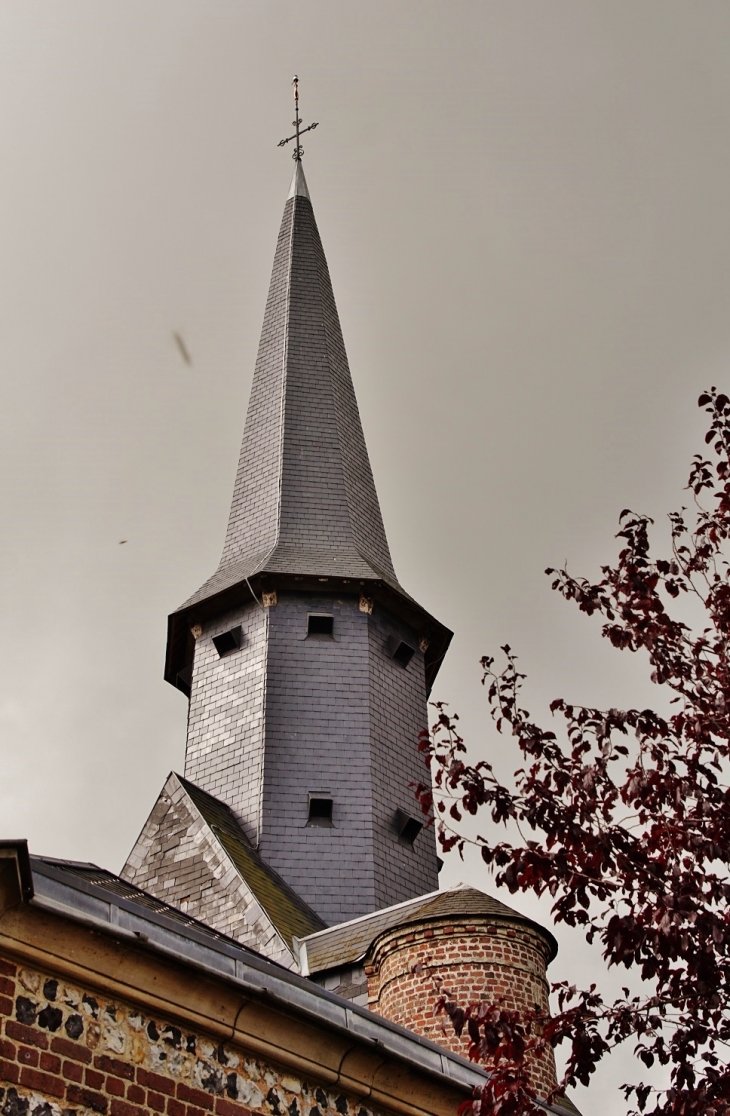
(18, 851)
(496, 916)
(299, 188)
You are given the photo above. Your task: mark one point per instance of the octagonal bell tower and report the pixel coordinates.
(306, 665)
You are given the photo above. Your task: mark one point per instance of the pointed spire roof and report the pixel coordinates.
(304, 501)
(299, 186)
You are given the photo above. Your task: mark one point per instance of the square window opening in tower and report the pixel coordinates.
(400, 651)
(320, 624)
(407, 827)
(320, 810)
(227, 642)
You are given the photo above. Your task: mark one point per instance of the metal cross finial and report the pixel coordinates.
(298, 149)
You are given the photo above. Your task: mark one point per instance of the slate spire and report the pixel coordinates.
(304, 505)
(304, 500)
(306, 665)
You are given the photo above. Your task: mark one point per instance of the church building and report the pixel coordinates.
(276, 940)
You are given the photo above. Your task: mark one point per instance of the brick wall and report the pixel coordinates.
(409, 968)
(65, 1050)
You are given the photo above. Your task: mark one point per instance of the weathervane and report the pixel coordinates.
(298, 150)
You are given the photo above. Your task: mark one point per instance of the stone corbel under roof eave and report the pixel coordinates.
(181, 643)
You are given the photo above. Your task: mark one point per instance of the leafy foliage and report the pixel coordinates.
(624, 821)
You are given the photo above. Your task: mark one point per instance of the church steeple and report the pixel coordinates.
(307, 669)
(304, 501)
(306, 664)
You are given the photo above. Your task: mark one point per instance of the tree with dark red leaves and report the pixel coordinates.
(623, 818)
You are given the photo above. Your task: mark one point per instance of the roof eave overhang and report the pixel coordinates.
(15, 854)
(409, 924)
(181, 643)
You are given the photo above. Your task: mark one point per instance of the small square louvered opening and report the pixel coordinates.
(407, 827)
(320, 810)
(320, 624)
(184, 680)
(400, 651)
(229, 641)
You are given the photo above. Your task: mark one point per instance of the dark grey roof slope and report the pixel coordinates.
(291, 916)
(304, 500)
(350, 941)
(98, 883)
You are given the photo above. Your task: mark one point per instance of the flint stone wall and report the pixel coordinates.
(66, 1051)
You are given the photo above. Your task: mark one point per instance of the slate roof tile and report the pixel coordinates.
(289, 914)
(349, 942)
(304, 500)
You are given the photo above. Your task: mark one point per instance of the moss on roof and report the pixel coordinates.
(289, 914)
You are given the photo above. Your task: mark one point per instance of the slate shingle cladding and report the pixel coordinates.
(397, 714)
(342, 717)
(225, 745)
(289, 715)
(304, 500)
(285, 716)
(193, 854)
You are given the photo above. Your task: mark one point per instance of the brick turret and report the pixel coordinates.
(467, 959)
(460, 943)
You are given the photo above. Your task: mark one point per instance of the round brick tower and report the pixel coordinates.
(469, 947)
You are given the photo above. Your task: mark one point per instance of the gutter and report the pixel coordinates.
(91, 906)
(47, 887)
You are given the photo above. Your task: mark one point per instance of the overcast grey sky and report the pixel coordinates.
(525, 211)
